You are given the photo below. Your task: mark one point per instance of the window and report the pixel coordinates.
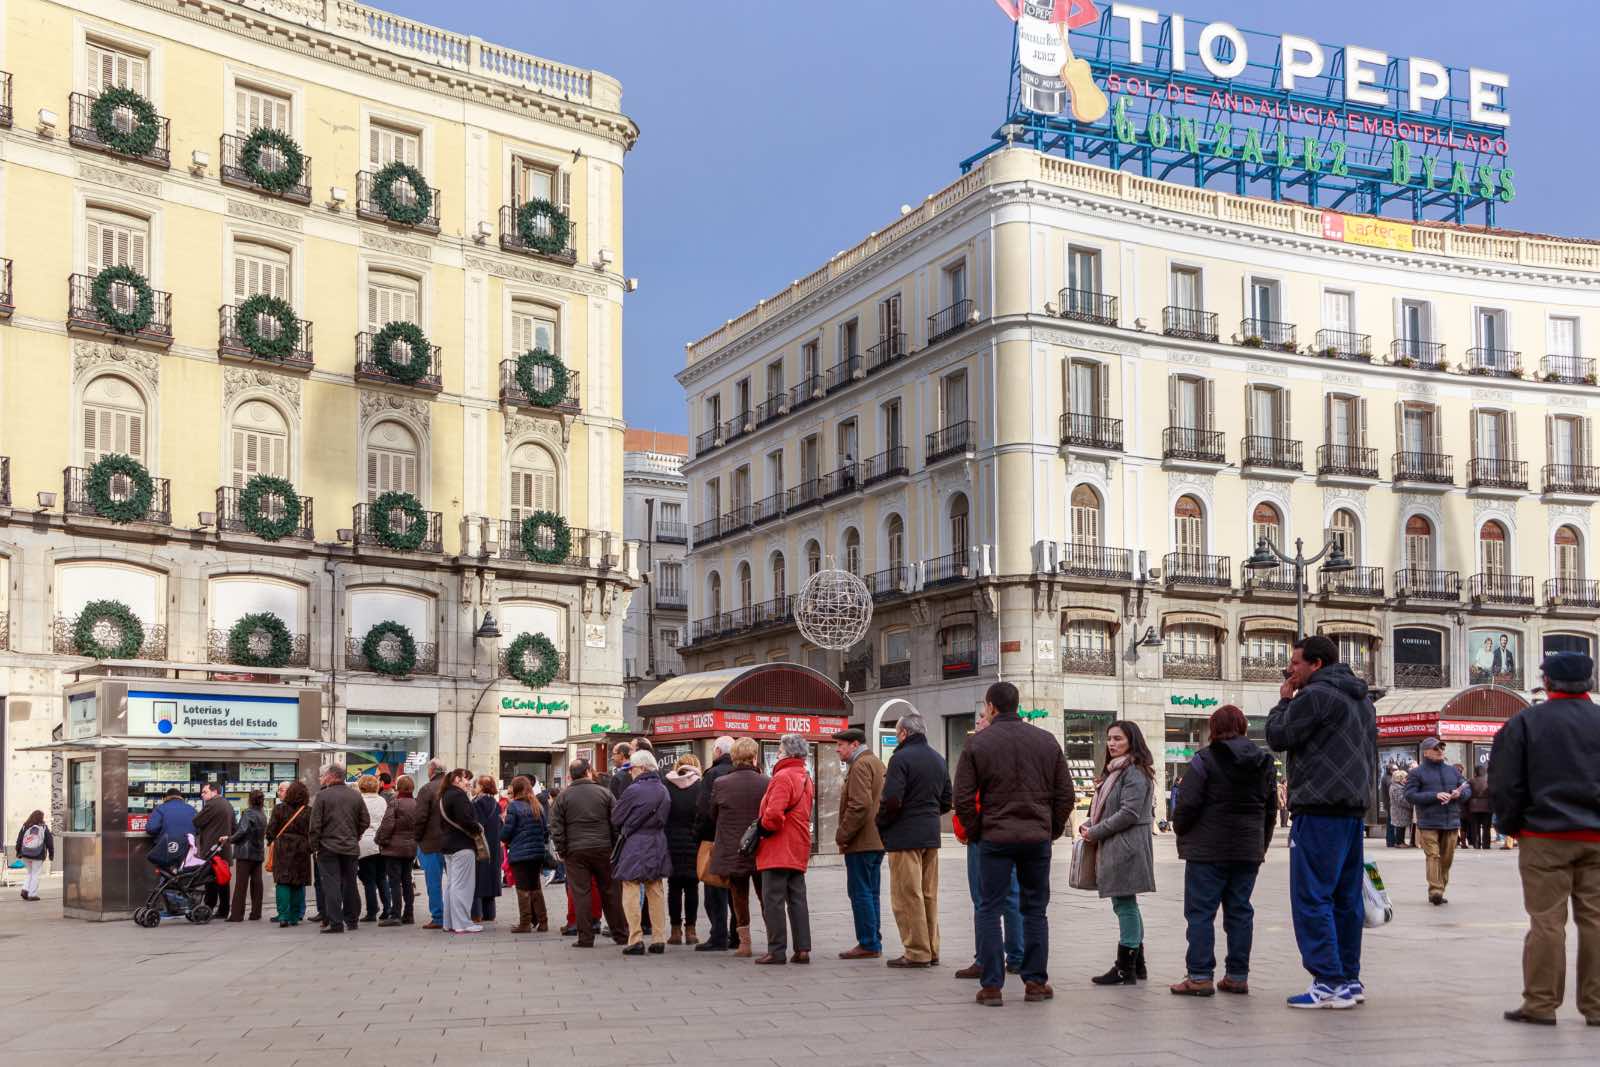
(714, 413)
(669, 579)
(113, 420)
(895, 535)
(1086, 635)
(1087, 387)
(774, 379)
(671, 514)
(953, 398)
(1490, 328)
(112, 67)
(116, 239)
(775, 471)
(260, 442)
(1567, 438)
(1419, 431)
(1344, 530)
(1189, 527)
(810, 362)
(1266, 650)
(897, 645)
(714, 589)
(257, 109)
(1338, 311)
(780, 577)
(1347, 421)
(1085, 515)
(1267, 412)
(713, 498)
(1264, 306)
(260, 270)
(955, 283)
(391, 144)
(739, 488)
(392, 460)
(889, 317)
(852, 551)
(535, 485)
(848, 340)
(1492, 548)
(847, 442)
(1416, 327)
(1419, 661)
(669, 637)
(810, 459)
(958, 523)
(1419, 543)
(1186, 288)
(1356, 650)
(1191, 402)
(1563, 339)
(1493, 436)
(532, 180)
(1190, 639)
(889, 416)
(1569, 555)
(1083, 279)
(741, 397)
(533, 326)
(813, 558)
(1266, 522)
(746, 592)
(391, 298)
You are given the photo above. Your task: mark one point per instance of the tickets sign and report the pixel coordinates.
(766, 724)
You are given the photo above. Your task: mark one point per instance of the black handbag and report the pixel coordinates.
(750, 840)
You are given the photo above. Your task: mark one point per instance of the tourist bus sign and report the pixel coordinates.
(1347, 128)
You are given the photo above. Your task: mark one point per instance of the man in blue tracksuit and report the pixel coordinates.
(1326, 725)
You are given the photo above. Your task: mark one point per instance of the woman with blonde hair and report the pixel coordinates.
(683, 886)
(369, 867)
(735, 804)
(524, 833)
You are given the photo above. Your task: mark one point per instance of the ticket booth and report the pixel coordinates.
(1466, 721)
(763, 702)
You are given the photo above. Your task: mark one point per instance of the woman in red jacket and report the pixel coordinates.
(784, 851)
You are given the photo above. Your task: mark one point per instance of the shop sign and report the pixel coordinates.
(1407, 725)
(1180, 753)
(812, 727)
(1031, 714)
(82, 717)
(1011, 647)
(1195, 701)
(1374, 233)
(594, 635)
(538, 705)
(1462, 729)
(152, 713)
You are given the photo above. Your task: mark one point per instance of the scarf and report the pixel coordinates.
(684, 777)
(1114, 771)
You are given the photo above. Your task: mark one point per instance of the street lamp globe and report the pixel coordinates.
(1262, 558)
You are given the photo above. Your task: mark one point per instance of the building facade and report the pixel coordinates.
(655, 508)
(1048, 413)
(311, 241)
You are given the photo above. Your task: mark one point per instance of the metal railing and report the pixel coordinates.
(368, 370)
(953, 440)
(511, 391)
(1421, 676)
(1496, 588)
(1415, 583)
(511, 237)
(82, 314)
(1434, 467)
(772, 408)
(890, 349)
(7, 303)
(947, 322)
(1267, 333)
(5, 481)
(63, 626)
(1574, 370)
(1279, 579)
(81, 132)
(847, 370)
(959, 663)
(5, 631)
(741, 517)
(942, 570)
(1079, 430)
(578, 552)
(1189, 323)
(364, 520)
(231, 518)
(233, 172)
(886, 464)
(75, 486)
(503, 665)
(853, 677)
(742, 423)
(1268, 668)
(1280, 453)
(1186, 443)
(1086, 305)
(1086, 560)
(231, 345)
(708, 531)
(808, 389)
(894, 675)
(5, 110)
(1498, 473)
(774, 612)
(892, 581)
(355, 658)
(368, 208)
(1411, 352)
(1096, 661)
(1342, 344)
(1494, 362)
(1349, 461)
(708, 440)
(771, 507)
(1572, 478)
(1572, 592)
(1358, 581)
(217, 650)
(1198, 569)
(672, 599)
(1205, 666)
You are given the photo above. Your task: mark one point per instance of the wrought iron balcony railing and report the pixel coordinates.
(1079, 430)
(1572, 478)
(947, 322)
(890, 349)
(1573, 370)
(1204, 666)
(355, 657)
(851, 368)
(775, 612)
(1085, 560)
(81, 132)
(367, 206)
(1411, 352)
(511, 391)
(233, 172)
(8, 304)
(1433, 467)
(1198, 569)
(806, 390)
(710, 439)
(1101, 662)
(1086, 305)
(740, 518)
(707, 532)
(771, 507)
(217, 650)
(588, 548)
(1279, 453)
(894, 675)
(1268, 668)
(511, 239)
(1495, 588)
(1494, 362)
(1279, 579)
(742, 423)
(837, 482)
(367, 369)
(1348, 461)
(364, 520)
(5, 481)
(886, 464)
(773, 407)
(63, 627)
(75, 486)
(231, 518)
(1189, 323)
(1572, 592)
(943, 570)
(5, 109)
(1415, 583)
(1498, 473)
(1342, 344)
(1421, 676)
(1187, 443)
(1359, 581)
(671, 599)
(231, 346)
(954, 440)
(892, 581)
(84, 316)
(1267, 333)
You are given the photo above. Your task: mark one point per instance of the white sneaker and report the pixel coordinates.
(1319, 995)
(473, 929)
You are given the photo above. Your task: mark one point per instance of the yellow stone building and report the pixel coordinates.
(385, 361)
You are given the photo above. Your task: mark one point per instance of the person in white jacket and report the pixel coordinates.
(369, 867)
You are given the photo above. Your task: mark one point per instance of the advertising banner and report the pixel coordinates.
(711, 723)
(202, 715)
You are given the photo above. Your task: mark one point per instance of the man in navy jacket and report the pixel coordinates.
(1436, 791)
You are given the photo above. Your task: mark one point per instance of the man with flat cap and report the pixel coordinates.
(1545, 776)
(858, 838)
(1436, 791)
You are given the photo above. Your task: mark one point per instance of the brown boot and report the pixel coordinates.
(524, 913)
(677, 936)
(743, 951)
(689, 936)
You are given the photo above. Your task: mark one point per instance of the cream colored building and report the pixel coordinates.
(655, 502)
(487, 129)
(1048, 411)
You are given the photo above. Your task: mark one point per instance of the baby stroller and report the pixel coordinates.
(180, 891)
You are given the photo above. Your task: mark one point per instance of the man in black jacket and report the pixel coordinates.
(916, 792)
(213, 824)
(716, 898)
(1543, 773)
(580, 830)
(338, 819)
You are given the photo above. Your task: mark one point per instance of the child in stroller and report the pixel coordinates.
(181, 891)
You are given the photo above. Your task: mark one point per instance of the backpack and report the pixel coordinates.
(33, 839)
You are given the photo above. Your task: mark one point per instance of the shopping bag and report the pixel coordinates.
(1379, 910)
(1081, 875)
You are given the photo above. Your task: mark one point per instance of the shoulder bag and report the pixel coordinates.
(272, 845)
(702, 867)
(1082, 873)
(480, 844)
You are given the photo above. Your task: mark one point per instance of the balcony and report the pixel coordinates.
(1200, 666)
(741, 518)
(511, 391)
(894, 580)
(217, 651)
(1342, 344)
(775, 612)
(1494, 588)
(75, 483)
(808, 389)
(772, 408)
(1359, 581)
(887, 464)
(404, 196)
(578, 555)
(707, 532)
(1494, 362)
(947, 322)
(1572, 479)
(1347, 461)
(891, 349)
(1184, 444)
(5, 481)
(1267, 333)
(1506, 474)
(7, 303)
(1425, 468)
(1410, 352)
(356, 660)
(671, 600)
(1279, 579)
(511, 238)
(837, 482)
(1572, 370)
(1086, 305)
(739, 425)
(1079, 430)
(853, 677)
(807, 493)
(231, 519)
(1083, 560)
(1414, 583)
(944, 570)
(894, 675)
(364, 520)
(1572, 593)
(233, 172)
(709, 440)
(847, 370)
(1191, 324)
(771, 507)
(367, 369)
(1267, 668)
(81, 132)
(1272, 454)
(954, 440)
(1100, 662)
(231, 346)
(63, 626)
(503, 665)
(84, 317)
(1421, 676)
(959, 663)
(1197, 570)
(5, 114)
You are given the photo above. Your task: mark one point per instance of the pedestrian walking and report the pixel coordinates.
(523, 832)
(735, 804)
(1480, 812)
(1283, 803)
(428, 830)
(683, 887)
(1436, 791)
(1399, 809)
(458, 843)
(582, 832)
(1226, 808)
(643, 862)
(397, 847)
(35, 845)
(1326, 724)
(1543, 769)
(289, 837)
(369, 865)
(916, 793)
(249, 852)
(717, 900)
(1119, 828)
(213, 825)
(486, 806)
(859, 841)
(783, 852)
(1021, 775)
(338, 819)
(1011, 915)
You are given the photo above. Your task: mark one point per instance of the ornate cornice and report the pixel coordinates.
(239, 209)
(238, 380)
(533, 276)
(89, 355)
(382, 242)
(375, 404)
(133, 183)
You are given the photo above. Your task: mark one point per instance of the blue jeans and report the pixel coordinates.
(1325, 856)
(1029, 865)
(433, 878)
(863, 873)
(1205, 886)
(1011, 916)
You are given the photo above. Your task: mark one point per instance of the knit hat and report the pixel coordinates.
(1568, 671)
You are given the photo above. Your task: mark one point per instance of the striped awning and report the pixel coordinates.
(1255, 624)
(1193, 618)
(1106, 615)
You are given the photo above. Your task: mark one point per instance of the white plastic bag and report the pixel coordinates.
(1379, 910)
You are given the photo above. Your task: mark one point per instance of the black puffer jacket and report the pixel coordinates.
(1329, 732)
(916, 791)
(1021, 776)
(1542, 769)
(1227, 804)
(683, 844)
(704, 825)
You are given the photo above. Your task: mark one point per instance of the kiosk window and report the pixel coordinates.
(81, 795)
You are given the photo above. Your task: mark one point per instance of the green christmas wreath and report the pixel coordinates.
(146, 130)
(130, 632)
(144, 309)
(405, 659)
(247, 321)
(279, 643)
(98, 489)
(288, 175)
(256, 519)
(383, 528)
(383, 353)
(561, 535)
(542, 648)
(411, 214)
(553, 394)
(550, 239)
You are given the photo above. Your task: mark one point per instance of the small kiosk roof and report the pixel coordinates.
(764, 687)
(1473, 702)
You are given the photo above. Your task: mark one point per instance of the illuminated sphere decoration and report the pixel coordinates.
(833, 609)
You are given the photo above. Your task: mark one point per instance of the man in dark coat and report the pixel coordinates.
(428, 829)
(620, 778)
(916, 792)
(716, 897)
(580, 829)
(212, 825)
(338, 819)
(1542, 768)
(1436, 791)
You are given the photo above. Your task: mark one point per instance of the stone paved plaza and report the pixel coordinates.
(248, 994)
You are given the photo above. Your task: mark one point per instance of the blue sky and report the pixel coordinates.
(776, 134)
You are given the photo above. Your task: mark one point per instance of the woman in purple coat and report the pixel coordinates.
(642, 859)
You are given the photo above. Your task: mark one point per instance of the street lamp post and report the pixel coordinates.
(1267, 557)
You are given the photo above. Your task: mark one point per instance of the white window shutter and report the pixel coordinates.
(375, 147)
(1210, 388)
(1361, 420)
(134, 423)
(410, 485)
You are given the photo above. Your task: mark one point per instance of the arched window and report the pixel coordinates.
(896, 537)
(745, 592)
(958, 523)
(714, 593)
(813, 558)
(780, 577)
(535, 485)
(1189, 527)
(1266, 522)
(1419, 543)
(1492, 548)
(393, 458)
(260, 441)
(231, 597)
(1569, 555)
(533, 617)
(1345, 531)
(114, 420)
(852, 551)
(1085, 516)
(143, 591)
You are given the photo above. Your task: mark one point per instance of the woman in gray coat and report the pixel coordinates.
(1399, 810)
(1119, 827)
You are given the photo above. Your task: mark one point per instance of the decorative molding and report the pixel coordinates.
(1263, 485)
(1334, 378)
(534, 277)
(1573, 512)
(133, 183)
(382, 242)
(1497, 396)
(1107, 345)
(556, 428)
(88, 355)
(1092, 468)
(1177, 479)
(256, 213)
(1275, 370)
(1198, 359)
(374, 404)
(1419, 389)
(1351, 499)
(1564, 400)
(237, 380)
(1419, 502)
